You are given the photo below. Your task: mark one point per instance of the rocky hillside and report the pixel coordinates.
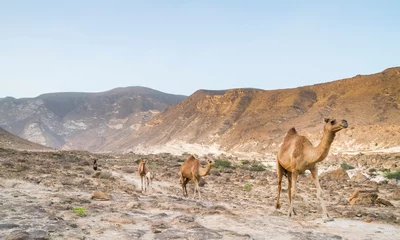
(82, 120)
(255, 121)
(8, 140)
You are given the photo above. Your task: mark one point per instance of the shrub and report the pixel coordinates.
(247, 187)
(80, 211)
(393, 175)
(346, 166)
(222, 164)
(257, 167)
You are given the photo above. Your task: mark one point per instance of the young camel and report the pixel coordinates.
(297, 154)
(191, 169)
(148, 179)
(142, 171)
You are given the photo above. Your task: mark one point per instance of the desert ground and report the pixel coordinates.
(57, 195)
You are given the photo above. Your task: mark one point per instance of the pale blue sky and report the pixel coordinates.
(182, 46)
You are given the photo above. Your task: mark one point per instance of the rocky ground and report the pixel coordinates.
(57, 195)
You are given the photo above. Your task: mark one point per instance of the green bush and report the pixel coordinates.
(393, 175)
(257, 167)
(223, 164)
(247, 187)
(80, 211)
(346, 166)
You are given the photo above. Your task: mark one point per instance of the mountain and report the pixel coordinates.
(85, 121)
(8, 140)
(255, 121)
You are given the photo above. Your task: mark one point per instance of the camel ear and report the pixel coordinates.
(326, 120)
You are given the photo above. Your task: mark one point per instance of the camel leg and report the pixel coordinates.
(195, 188)
(325, 215)
(198, 189)
(141, 183)
(184, 189)
(294, 183)
(279, 171)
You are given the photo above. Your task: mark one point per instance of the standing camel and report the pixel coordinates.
(191, 169)
(142, 171)
(297, 154)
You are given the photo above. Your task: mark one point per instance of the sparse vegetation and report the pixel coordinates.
(393, 175)
(220, 164)
(257, 167)
(248, 187)
(346, 166)
(80, 211)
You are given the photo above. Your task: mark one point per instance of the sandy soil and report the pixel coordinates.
(39, 190)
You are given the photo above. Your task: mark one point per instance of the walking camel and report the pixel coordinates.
(191, 169)
(142, 171)
(297, 154)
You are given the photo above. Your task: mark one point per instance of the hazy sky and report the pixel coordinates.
(182, 46)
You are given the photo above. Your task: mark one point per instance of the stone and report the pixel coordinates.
(8, 226)
(364, 197)
(338, 175)
(98, 195)
(39, 235)
(383, 202)
(18, 235)
(358, 178)
(133, 204)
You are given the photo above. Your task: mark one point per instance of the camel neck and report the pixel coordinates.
(322, 150)
(204, 171)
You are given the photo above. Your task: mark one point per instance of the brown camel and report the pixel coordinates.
(142, 170)
(191, 169)
(297, 154)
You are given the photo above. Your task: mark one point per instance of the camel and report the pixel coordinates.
(142, 170)
(95, 164)
(148, 179)
(297, 154)
(191, 169)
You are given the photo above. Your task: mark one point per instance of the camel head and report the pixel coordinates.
(333, 125)
(210, 162)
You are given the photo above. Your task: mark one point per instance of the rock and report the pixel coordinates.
(18, 235)
(363, 197)
(384, 202)
(133, 205)
(358, 178)
(8, 226)
(97, 195)
(39, 235)
(338, 175)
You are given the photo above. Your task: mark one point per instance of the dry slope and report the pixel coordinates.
(254, 120)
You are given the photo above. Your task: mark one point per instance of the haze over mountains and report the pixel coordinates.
(84, 121)
(235, 121)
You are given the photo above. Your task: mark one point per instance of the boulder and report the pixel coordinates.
(97, 195)
(364, 197)
(358, 178)
(336, 175)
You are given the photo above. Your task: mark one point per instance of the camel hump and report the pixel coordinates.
(191, 157)
(292, 131)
